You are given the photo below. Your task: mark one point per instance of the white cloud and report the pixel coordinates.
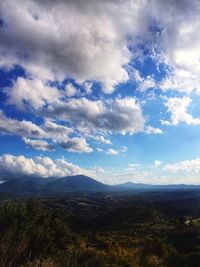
(112, 151)
(21, 128)
(178, 107)
(120, 115)
(31, 93)
(39, 144)
(66, 38)
(179, 43)
(183, 81)
(50, 130)
(70, 90)
(76, 144)
(58, 39)
(143, 84)
(39, 166)
(134, 165)
(101, 139)
(123, 115)
(189, 166)
(187, 171)
(55, 131)
(45, 167)
(152, 130)
(157, 163)
(26, 128)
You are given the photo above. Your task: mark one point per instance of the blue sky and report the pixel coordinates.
(114, 96)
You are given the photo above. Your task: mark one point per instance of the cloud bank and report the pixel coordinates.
(39, 166)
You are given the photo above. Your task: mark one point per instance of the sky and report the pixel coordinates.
(104, 88)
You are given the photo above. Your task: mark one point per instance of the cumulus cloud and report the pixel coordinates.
(31, 93)
(21, 128)
(174, 42)
(101, 139)
(92, 118)
(132, 167)
(56, 131)
(119, 115)
(189, 166)
(76, 144)
(179, 42)
(152, 130)
(66, 38)
(39, 166)
(143, 84)
(26, 128)
(122, 115)
(50, 130)
(157, 163)
(178, 107)
(39, 144)
(70, 90)
(112, 152)
(183, 81)
(58, 39)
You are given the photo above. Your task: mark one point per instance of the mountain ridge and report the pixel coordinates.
(44, 187)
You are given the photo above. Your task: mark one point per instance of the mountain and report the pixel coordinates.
(77, 183)
(33, 187)
(133, 186)
(44, 187)
(148, 187)
(21, 188)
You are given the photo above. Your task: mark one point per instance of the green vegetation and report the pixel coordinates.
(100, 231)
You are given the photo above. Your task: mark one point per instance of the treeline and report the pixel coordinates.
(32, 234)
